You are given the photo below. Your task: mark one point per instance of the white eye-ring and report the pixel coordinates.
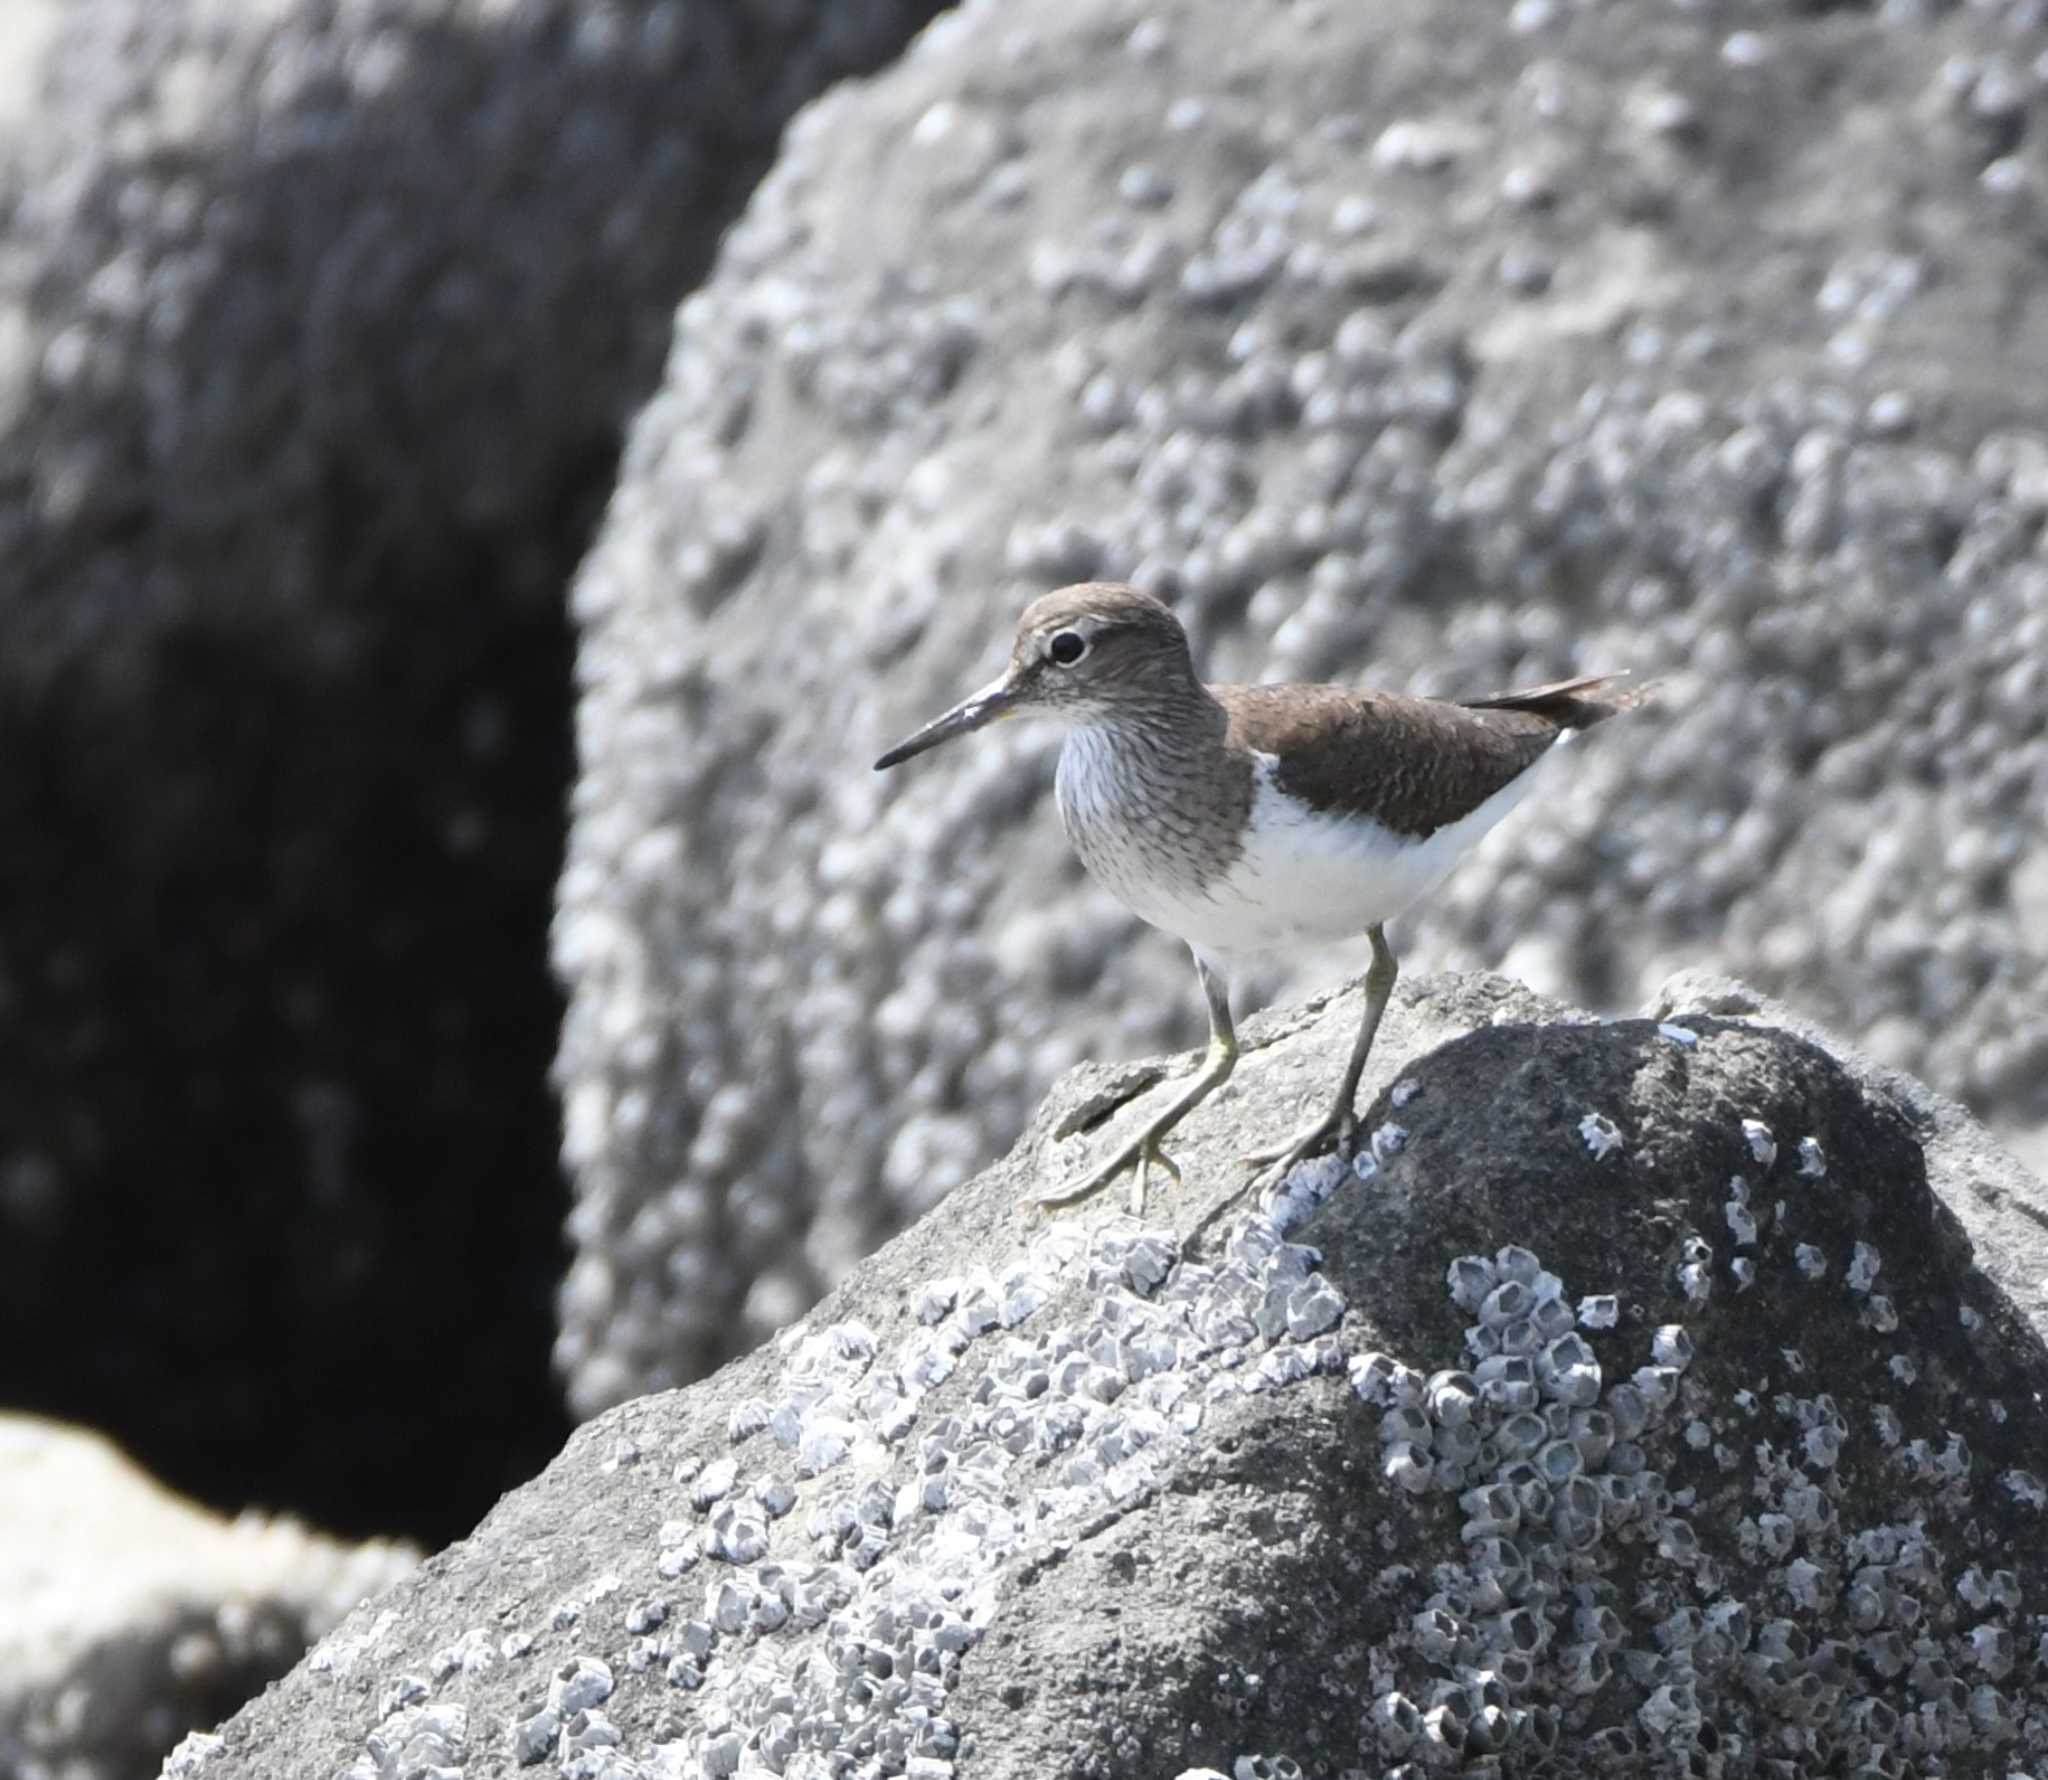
(1066, 648)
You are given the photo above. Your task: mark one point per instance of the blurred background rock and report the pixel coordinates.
(133, 1615)
(320, 326)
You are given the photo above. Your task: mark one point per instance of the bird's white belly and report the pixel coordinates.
(1306, 878)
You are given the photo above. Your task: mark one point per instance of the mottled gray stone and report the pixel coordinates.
(1132, 1535)
(133, 1615)
(1998, 1200)
(319, 327)
(1230, 305)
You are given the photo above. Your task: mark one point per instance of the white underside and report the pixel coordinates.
(1307, 878)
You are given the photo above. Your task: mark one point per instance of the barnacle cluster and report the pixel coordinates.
(1593, 1609)
(1606, 1548)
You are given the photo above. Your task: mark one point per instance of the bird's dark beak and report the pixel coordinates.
(998, 699)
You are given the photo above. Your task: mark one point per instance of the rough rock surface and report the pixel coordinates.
(1395, 343)
(1636, 1410)
(132, 1615)
(319, 326)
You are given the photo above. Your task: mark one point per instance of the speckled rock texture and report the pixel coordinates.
(319, 328)
(131, 1614)
(1633, 1407)
(1424, 346)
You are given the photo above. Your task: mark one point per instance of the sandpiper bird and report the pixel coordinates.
(1251, 819)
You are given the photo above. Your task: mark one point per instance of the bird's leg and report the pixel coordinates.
(1143, 1151)
(1341, 1121)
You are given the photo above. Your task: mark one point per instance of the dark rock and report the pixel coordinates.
(1765, 427)
(322, 327)
(1550, 1457)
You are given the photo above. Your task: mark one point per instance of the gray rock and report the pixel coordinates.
(1398, 344)
(1996, 1198)
(1749, 1512)
(133, 1615)
(319, 325)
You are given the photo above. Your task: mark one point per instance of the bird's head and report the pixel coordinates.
(1093, 653)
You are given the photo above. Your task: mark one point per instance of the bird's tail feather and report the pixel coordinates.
(1571, 704)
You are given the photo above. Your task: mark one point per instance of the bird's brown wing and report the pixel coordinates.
(1412, 764)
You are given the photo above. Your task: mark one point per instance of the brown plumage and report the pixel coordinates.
(1413, 764)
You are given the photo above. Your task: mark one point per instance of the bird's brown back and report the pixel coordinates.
(1413, 764)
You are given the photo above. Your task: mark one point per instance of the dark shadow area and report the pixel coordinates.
(286, 712)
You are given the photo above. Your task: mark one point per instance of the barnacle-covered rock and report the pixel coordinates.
(1149, 1527)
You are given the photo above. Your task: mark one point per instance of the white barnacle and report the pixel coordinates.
(1312, 1306)
(1558, 1461)
(1671, 1346)
(1407, 1467)
(1024, 1293)
(853, 1343)
(1518, 1263)
(1468, 1279)
(1507, 1301)
(1451, 1397)
(1507, 1381)
(1658, 1386)
(825, 1441)
(738, 1537)
(1144, 1260)
(1991, 1649)
(1600, 1134)
(676, 1555)
(714, 1483)
(1802, 1578)
(1568, 1373)
(1592, 1432)
(1397, 1722)
(1741, 1223)
(747, 1419)
(1630, 1409)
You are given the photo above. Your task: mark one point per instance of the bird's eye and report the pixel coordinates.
(1067, 647)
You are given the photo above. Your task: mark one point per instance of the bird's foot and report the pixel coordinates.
(1340, 1124)
(1141, 1155)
